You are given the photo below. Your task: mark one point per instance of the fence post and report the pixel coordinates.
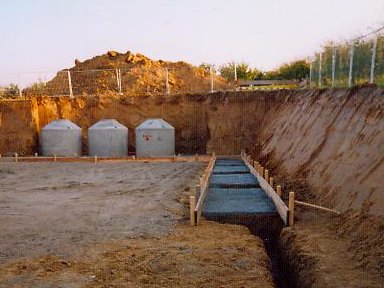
(118, 78)
(350, 76)
(310, 73)
(291, 208)
(320, 61)
(373, 61)
(192, 204)
(333, 66)
(211, 73)
(166, 82)
(70, 85)
(235, 72)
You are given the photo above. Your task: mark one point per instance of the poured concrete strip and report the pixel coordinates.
(238, 201)
(233, 181)
(240, 169)
(235, 196)
(229, 162)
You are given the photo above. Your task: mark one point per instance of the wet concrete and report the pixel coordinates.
(238, 169)
(234, 196)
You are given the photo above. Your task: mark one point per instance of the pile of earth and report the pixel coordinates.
(139, 75)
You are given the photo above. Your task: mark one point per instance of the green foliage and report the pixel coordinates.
(207, 67)
(11, 91)
(243, 70)
(37, 88)
(296, 70)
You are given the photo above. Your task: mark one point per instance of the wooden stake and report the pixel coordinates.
(54, 158)
(192, 204)
(36, 154)
(196, 157)
(16, 157)
(266, 174)
(291, 208)
(271, 181)
(197, 191)
(95, 158)
(201, 182)
(278, 190)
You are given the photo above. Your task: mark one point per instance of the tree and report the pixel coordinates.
(37, 88)
(295, 70)
(243, 71)
(10, 91)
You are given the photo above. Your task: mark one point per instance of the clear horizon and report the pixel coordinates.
(39, 37)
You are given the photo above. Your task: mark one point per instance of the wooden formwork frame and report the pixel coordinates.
(260, 173)
(201, 192)
(286, 213)
(97, 159)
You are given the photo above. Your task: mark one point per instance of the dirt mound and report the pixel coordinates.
(138, 74)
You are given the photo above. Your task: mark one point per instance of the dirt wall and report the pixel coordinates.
(333, 139)
(220, 122)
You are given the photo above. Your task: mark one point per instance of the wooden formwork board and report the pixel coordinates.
(202, 158)
(204, 188)
(281, 207)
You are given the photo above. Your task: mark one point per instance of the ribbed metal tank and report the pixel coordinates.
(155, 137)
(61, 138)
(108, 138)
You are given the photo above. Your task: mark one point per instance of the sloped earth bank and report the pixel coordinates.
(326, 145)
(117, 225)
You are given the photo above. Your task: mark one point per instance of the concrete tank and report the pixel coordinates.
(61, 138)
(155, 137)
(108, 138)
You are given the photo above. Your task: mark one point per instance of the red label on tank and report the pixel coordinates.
(147, 137)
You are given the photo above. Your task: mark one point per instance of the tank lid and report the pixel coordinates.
(61, 124)
(108, 124)
(155, 123)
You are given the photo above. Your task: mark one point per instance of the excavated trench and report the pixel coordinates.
(332, 140)
(234, 196)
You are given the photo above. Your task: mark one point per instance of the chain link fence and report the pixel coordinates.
(356, 62)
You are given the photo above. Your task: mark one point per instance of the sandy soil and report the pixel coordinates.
(58, 208)
(320, 256)
(117, 225)
(211, 255)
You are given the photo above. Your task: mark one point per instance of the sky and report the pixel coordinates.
(39, 38)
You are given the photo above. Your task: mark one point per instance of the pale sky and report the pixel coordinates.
(39, 38)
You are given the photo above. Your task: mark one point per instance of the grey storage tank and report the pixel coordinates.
(108, 138)
(61, 138)
(155, 137)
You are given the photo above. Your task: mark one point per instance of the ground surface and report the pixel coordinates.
(117, 225)
(321, 256)
(57, 208)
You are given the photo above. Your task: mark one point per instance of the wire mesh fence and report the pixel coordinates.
(356, 62)
(138, 80)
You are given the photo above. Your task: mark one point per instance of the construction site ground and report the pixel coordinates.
(117, 225)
